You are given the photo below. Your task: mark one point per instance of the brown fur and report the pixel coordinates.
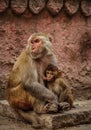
(58, 85)
(25, 84)
(16, 95)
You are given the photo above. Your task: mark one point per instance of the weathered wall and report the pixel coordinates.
(71, 41)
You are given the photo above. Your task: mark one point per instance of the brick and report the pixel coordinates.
(54, 7)
(3, 5)
(36, 6)
(71, 6)
(86, 7)
(19, 6)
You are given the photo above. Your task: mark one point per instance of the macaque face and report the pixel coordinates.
(49, 75)
(36, 45)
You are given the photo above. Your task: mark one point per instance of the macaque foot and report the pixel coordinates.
(64, 106)
(51, 108)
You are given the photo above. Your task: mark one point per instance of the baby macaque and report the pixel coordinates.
(54, 82)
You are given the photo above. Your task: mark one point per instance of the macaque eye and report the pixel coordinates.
(35, 41)
(52, 73)
(49, 72)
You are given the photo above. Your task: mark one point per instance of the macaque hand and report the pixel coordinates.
(51, 108)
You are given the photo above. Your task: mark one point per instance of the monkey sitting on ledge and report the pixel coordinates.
(54, 82)
(25, 90)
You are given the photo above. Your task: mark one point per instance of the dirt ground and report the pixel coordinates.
(10, 124)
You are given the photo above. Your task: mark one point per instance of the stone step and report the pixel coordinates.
(81, 114)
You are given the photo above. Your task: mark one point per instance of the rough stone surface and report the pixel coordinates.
(19, 6)
(71, 6)
(12, 124)
(6, 111)
(36, 5)
(86, 7)
(79, 115)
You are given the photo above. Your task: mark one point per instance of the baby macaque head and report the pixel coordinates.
(51, 72)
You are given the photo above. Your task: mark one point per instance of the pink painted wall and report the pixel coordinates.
(71, 42)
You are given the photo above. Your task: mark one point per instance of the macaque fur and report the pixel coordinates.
(55, 83)
(25, 89)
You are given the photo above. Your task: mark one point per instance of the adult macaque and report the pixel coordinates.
(26, 90)
(56, 84)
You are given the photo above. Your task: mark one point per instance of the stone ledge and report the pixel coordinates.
(79, 115)
(7, 111)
